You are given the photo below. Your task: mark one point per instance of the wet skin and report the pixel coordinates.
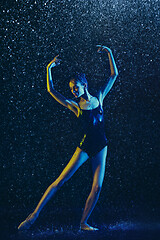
(79, 157)
(77, 89)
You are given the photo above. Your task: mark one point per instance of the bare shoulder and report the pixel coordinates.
(99, 95)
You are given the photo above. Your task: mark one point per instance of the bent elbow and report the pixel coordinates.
(116, 72)
(48, 90)
(115, 75)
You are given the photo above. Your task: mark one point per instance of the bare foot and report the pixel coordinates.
(85, 226)
(28, 222)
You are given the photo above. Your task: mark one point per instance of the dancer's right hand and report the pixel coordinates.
(54, 62)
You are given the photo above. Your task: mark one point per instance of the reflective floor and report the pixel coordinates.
(117, 231)
(63, 223)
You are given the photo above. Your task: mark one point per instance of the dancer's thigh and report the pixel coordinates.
(98, 167)
(78, 158)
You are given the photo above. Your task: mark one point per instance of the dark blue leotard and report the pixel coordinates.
(91, 123)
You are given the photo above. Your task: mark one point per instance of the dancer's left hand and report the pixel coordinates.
(102, 48)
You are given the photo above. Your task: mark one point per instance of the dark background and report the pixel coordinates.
(39, 135)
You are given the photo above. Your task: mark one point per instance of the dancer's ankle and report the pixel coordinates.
(83, 222)
(35, 215)
(86, 226)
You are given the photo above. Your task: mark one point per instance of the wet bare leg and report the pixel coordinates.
(90, 204)
(78, 158)
(98, 165)
(26, 224)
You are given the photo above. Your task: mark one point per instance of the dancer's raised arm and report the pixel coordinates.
(114, 72)
(56, 95)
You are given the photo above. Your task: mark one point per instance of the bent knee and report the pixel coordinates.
(97, 188)
(58, 183)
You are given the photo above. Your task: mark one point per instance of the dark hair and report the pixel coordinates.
(79, 77)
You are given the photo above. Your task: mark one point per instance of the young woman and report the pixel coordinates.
(93, 142)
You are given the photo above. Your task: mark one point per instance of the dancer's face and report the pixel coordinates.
(76, 88)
